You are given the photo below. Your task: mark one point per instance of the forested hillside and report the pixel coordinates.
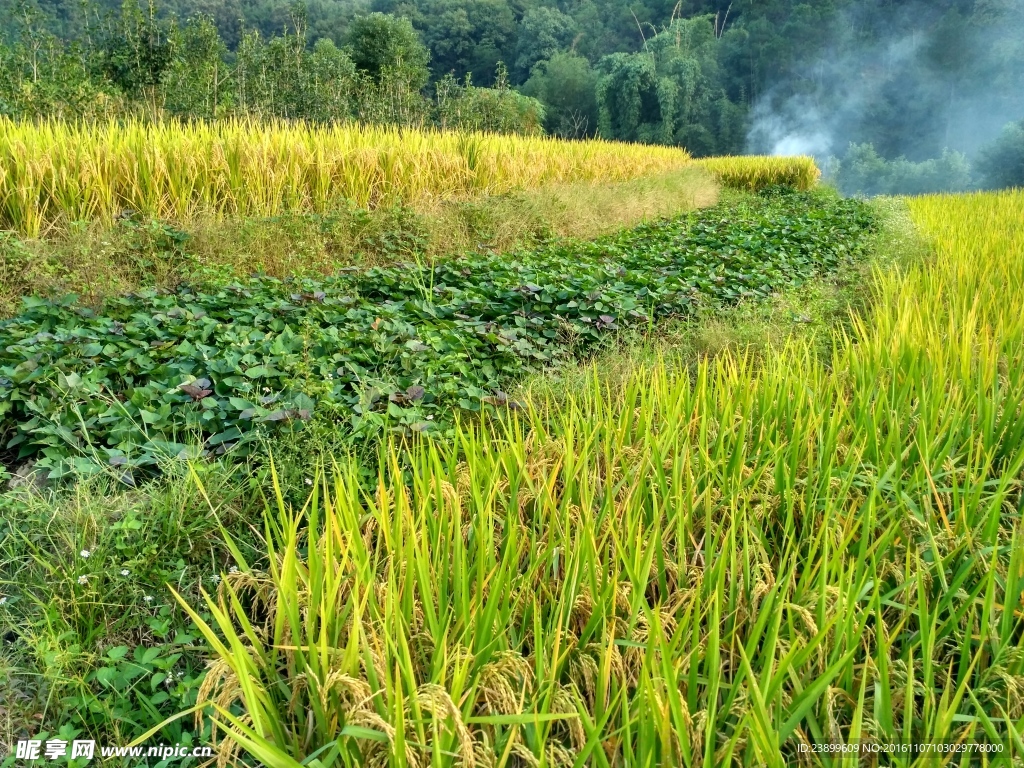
(934, 83)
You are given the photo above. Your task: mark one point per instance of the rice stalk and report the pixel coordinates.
(684, 570)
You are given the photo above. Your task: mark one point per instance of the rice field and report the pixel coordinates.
(732, 563)
(753, 173)
(54, 172)
(721, 568)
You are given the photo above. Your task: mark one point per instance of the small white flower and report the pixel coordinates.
(308, 481)
(83, 579)
(233, 569)
(148, 598)
(85, 553)
(3, 600)
(430, 417)
(215, 578)
(125, 572)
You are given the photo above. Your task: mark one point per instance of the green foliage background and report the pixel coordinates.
(696, 73)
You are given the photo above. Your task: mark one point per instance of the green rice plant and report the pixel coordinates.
(709, 568)
(754, 173)
(53, 173)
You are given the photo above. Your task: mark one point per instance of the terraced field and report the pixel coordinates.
(455, 512)
(725, 566)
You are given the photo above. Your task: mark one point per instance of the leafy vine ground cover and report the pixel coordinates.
(212, 368)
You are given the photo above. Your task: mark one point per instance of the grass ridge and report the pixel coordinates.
(389, 348)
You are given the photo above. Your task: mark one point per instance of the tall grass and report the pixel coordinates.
(100, 261)
(55, 172)
(699, 569)
(753, 173)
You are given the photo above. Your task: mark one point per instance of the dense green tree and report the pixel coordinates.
(196, 82)
(542, 33)
(381, 43)
(673, 92)
(136, 50)
(452, 51)
(632, 104)
(332, 83)
(41, 76)
(688, 54)
(282, 77)
(1001, 163)
(499, 109)
(226, 16)
(465, 37)
(567, 85)
(864, 172)
(270, 74)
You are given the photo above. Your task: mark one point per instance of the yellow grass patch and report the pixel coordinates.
(756, 172)
(55, 172)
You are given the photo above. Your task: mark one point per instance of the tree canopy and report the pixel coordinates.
(912, 79)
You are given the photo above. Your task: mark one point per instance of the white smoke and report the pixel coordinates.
(793, 128)
(830, 103)
(835, 90)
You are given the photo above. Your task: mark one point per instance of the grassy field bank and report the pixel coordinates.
(100, 210)
(158, 377)
(97, 260)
